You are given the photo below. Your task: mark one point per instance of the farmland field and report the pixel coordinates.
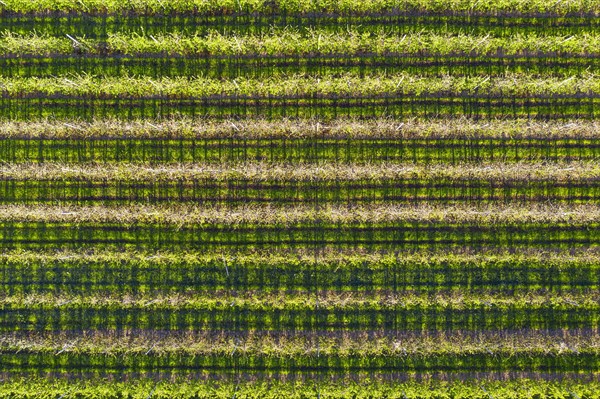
(300, 199)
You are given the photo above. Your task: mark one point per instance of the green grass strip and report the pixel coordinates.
(342, 128)
(523, 86)
(374, 226)
(302, 43)
(327, 300)
(337, 215)
(313, 129)
(336, 311)
(524, 388)
(99, 26)
(132, 272)
(295, 6)
(179, 363)
(416, 150)
(572, 172)
(299, 343)
(342, 351)
(297, 183)
(233, 67)
(390, 235)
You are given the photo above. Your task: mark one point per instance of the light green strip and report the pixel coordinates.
(300, 85)
(291, 42)
(299, 6)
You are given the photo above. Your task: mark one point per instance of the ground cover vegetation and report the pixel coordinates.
(299, 199)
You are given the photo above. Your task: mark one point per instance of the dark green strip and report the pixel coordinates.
(396, 235)
(66, 276)
(452, 150)
(239, 191)
(434, 105)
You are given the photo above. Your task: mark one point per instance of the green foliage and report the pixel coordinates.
(308, 42)
(299, 199)
(300, 6)
(519, 389)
